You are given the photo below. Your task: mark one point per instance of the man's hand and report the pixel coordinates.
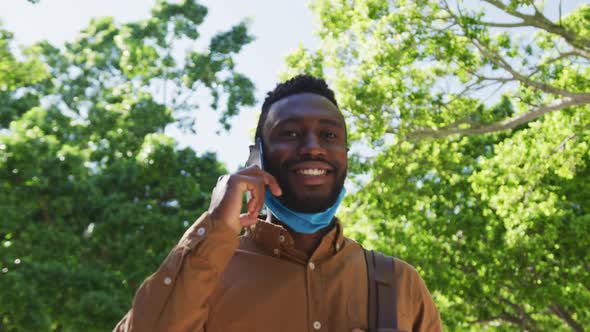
(226, 201)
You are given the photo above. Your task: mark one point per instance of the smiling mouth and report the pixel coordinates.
(312, 171)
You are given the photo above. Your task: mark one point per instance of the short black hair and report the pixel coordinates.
(302, 83)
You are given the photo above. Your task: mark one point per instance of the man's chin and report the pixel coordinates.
(309, 198)
(309, 204)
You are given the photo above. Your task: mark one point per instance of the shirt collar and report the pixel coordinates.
(276, 240)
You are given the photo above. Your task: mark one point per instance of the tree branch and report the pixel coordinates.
(523, 317)
(504, 25)
(566, 317)
(561, 56)
(528, 20)
(498, 61)
(581, 53)
(496, 79)
(478, 84)
(502, 125)
(540, 21)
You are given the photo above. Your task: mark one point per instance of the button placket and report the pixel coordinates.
(314, 282)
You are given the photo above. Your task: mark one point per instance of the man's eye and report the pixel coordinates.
(289, 133)
(330, 135)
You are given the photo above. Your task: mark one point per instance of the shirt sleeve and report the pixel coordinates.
(417, 310)
(427, 318)
(175, 297)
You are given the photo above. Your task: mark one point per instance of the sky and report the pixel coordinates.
(278, 25)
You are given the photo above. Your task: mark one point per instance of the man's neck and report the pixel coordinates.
(306, 243)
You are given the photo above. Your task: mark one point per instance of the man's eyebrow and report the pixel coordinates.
(299, 120)
(333, 123)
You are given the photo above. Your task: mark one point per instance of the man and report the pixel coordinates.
(293, 271)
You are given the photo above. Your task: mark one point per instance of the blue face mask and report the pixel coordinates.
(306, 223)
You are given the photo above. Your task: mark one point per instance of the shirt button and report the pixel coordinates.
(312, 266)
(276, 251)
(167, 280)
(317, 325)
(281, 238)
(201, 231)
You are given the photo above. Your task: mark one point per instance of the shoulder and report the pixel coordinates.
(414, 300)
(348, 242)
(411, 288)
(410, 284)
(411, 291)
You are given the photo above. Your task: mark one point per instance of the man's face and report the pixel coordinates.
(304, 139)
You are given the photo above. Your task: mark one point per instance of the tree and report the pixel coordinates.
(93, 193)
(472, 134)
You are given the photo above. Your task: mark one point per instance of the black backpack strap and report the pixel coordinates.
(382, 305)
(372, 303)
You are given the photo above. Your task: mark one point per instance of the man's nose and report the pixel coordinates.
(311, 145)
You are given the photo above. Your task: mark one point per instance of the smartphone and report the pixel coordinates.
(255, 158)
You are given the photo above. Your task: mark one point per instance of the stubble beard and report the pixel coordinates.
(315, 203)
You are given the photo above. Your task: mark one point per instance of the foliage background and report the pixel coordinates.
(88, 178)
(478, 127)
(470, 154)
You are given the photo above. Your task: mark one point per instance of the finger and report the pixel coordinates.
(249, 170)
(251, 189)
(251, 205)
(269, 180)
(259, 192)
(254, 185)
(246, 220)
(272, 183)
(254, 206)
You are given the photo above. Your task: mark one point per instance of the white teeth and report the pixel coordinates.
(311, 171)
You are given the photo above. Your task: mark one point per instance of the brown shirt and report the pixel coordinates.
(214, 281)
